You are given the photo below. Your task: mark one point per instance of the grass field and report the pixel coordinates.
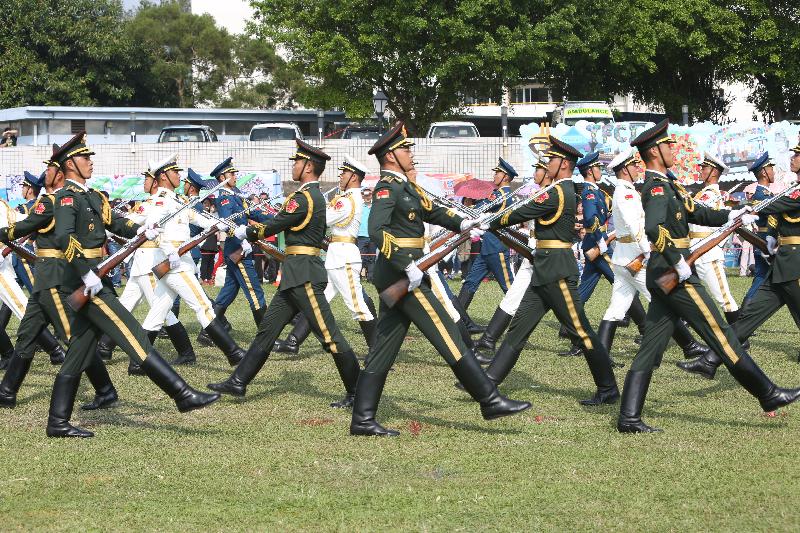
(283, 460)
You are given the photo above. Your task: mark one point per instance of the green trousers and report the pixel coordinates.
(691, 302)
(102, 314)
(424, 310)
(768, 299)
(44, 307)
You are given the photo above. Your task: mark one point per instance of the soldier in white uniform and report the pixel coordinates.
(711, 266)
(142, 282)
(180, 280)
(343, 258)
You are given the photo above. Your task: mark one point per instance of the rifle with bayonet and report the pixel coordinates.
(237, 255)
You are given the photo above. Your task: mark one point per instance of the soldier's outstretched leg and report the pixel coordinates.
(222, 339)
(180, 339)
(61, 403)
(164, 376)
(483, 390)
(295, 338)
(494, 330)
(105, 394)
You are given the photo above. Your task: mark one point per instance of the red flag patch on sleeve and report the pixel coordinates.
(657, 190)
(159, 204)
(291, 206)
(795, 195)
(66, 201)
(629, 197)
(705, 197)
(541, 198)
(590, 196)
(39, 209)
(384, 193)
(225, 202)
(339, 205)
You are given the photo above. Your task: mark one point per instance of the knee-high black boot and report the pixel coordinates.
(6, 346)
(370, 331)
(684, 338)
(180, 340)
(236, 384)
(605, 332)
(164, 376)
(296, 337)
(258, 315)
(502, 363)
(633, 395)
(135, 369)
(600, 365)
(104, 392)
(347, 365)
(637, 314)
(752, 378)
(494, 330)
(731, 317)
(223, 340)
(219, 313)
(51, 346)
(105, 347)
(483, 390)
(62, 402)
(12, 380)
(365, 405)
(461, 303)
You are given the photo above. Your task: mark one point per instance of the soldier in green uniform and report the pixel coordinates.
(396, 226)
(82, 216)
(780, 286)
(669, 210)
(554, 281)
(46, 306)
(302, 288)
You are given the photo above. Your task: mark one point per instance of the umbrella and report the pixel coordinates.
(474, 188)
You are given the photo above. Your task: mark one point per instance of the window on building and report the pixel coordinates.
(76, 126)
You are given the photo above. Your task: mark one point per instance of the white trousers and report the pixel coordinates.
(713, 275)
(143, 287)
(346, 280)
(624, 290)
(441, 294)
(514, 295)
(11, 293)
(182, 284)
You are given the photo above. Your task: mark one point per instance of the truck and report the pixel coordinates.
(570, 113)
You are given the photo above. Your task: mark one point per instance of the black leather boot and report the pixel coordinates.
(370, 331)
(180, 340)
(626, 320)
(684, 338)
(467, 338)
(633, 395)
(219, 312)
(12, 380)
(164, 376)
(461, 303)
(105, 347)
(603, 374)
(562, 332)
(299, 333)
(494, 330)
(134, 368)
(236, 384)
(502, 363)
(347, 365)
(574, 351)
(484, 391)
(753, 379)
(605, 332)
(365, 405)
(51, 346)
(6, 348)
(223, 340)
(104, 392)
(637, 314)
(61, 403)
(731, 316)
(706, 365)
(258, 315)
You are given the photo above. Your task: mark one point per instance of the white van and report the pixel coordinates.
(275, 131)
(452, 130)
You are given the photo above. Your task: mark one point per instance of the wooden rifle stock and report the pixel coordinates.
(77, 299)
(636, 265)
(397, 290)
(753, 239)
(21, 251)
(669, 280)
(161, 269)
(593, 253)
(510, 241)
(271, 250)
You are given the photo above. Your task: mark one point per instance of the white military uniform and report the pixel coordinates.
(631, 242)
(522, 279)
(11, 293)
(710, 266)
(343, 259)
(437, 285)
(141, 280)
(179, 281)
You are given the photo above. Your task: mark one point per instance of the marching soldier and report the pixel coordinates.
(396, 225)
(31, 186)
(343, 259)
(180, 280)
(555, 277)
(494, 256)
(46, 305)
(669, 210)
(781, 285)
(763, 168)
(302, 218)
(82, 216)
(243, 275)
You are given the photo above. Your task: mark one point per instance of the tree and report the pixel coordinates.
(68, 52)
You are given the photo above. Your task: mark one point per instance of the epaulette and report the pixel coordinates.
(73, 188)
(391, 179)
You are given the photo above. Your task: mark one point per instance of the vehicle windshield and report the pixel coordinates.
(361, 134)
(272, 134)
(182, 136)
(449, 132)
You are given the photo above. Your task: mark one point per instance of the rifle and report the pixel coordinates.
(161, 269)
(16, 247)
(271, 250)
(746, 234)
(669, 280)
(635, 265)
(236, 256)
(78, 299)
(593, 253)
(397, 290)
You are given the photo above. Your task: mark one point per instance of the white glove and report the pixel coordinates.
(684, 270)
(483, 218)
(646, 257)
(772, 245)
(749, 218)
(414, 276)
(246, 247)
(469, 223)
(150, 231)
(240, 232)
(174, 260)
(476, 233)
(221, 226)
(92, 283)
(602, 245)
(736, 213)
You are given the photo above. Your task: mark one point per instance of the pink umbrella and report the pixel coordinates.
(474, 188)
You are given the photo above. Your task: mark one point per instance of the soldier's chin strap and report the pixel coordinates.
(661, 155)
(77, 170)
(396, 160)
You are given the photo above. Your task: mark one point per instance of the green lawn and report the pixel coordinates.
(283, 460)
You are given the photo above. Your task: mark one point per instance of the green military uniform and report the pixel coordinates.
(396, 226)
(554, 283)
(302, 287)
(82, 216)
(669, 209)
